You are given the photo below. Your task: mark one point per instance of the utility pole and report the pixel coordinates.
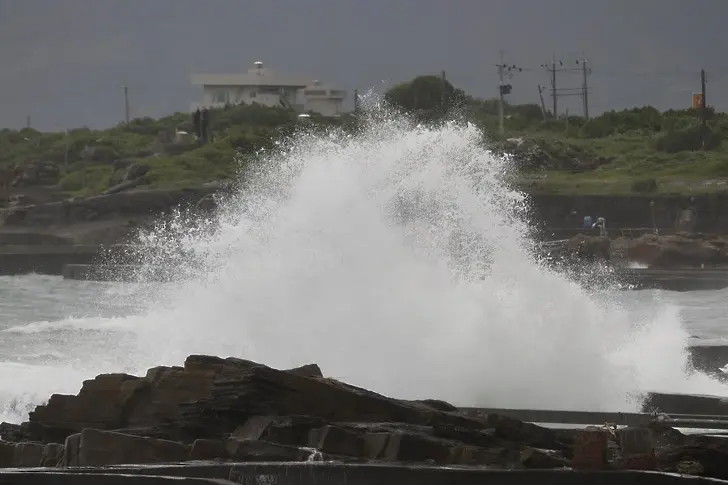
(126, 103)
(557, 93)
(551, 68)
(703, 108)
(703, 105)
(553, 86)
(501, 121)
(585, 87)
(503, 89)
(442, 92)
(356, 101)
(27, 121)
(543, 104)
(65, 154)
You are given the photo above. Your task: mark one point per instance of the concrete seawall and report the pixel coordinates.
(44, 259)
(711, 210)
(338, 474)
(675, 279)
(668, 279)
(80, 263)
(117, 272)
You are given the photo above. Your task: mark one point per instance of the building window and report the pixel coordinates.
(253, 94)
(270, 89)
(220, 96)
(316, 92)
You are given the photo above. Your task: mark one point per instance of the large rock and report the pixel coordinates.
(681, 250)
(121, 401)
(139, 202)
(244, 389)
(7, 454)
(99, 448)
(29, 455)
(233, 409)
(589, 247)
(702, 456)
(257, 450)
(38, 173)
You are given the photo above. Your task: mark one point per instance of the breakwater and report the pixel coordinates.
(44, 259)
(335, 474)
(82, 262)
(637, 279)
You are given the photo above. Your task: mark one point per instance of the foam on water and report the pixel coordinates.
(398, 260)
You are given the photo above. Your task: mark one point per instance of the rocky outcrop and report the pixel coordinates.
(681, 250)
(128, 175)
(555, 155)
(41, 173)
(589, 247)
(673, 251)
(93, 447)
(233, 409)
(240, 411)
(120, 203)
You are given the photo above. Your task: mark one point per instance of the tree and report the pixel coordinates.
(426, 94)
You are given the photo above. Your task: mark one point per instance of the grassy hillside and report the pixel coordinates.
(632, 151)
(639, 150)
(86, 162)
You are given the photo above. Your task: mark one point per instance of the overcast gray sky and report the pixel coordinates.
(63, 62)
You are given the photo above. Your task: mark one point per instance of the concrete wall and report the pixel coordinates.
(349, 474)
(353, 474)
(55, 478)
(564, 211)
(44, 259)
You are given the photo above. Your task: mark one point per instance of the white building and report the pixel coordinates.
(323, 99)
(263, 86)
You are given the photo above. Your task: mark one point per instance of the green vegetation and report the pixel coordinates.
(631, 151)
(637, 151)
(86, 162)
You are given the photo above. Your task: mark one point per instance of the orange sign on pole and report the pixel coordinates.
(697, 100)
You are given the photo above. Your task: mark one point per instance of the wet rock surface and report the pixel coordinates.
(683, 250)
(232, 410)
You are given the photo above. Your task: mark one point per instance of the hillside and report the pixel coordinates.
(155, 153)
(632, 151)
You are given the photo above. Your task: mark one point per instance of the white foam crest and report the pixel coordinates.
(89, 323)
(24, 386)
(398, 260)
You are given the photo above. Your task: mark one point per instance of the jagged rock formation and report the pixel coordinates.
(238, 410)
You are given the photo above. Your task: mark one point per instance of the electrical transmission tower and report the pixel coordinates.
(555, 67)
(504, 70)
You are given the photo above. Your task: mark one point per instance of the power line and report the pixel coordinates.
(555, 67)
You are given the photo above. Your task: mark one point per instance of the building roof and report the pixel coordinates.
(256, 76)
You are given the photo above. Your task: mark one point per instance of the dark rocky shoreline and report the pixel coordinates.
(232, 411)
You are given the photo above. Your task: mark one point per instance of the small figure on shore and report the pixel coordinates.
(602, 225)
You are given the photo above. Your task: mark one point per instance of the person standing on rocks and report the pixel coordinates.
(602, 225)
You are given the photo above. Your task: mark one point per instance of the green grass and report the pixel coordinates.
(631, 159)
(613, 153)
(88, 180)
(614, 184)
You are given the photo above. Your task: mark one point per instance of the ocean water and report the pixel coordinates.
(397, 259)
